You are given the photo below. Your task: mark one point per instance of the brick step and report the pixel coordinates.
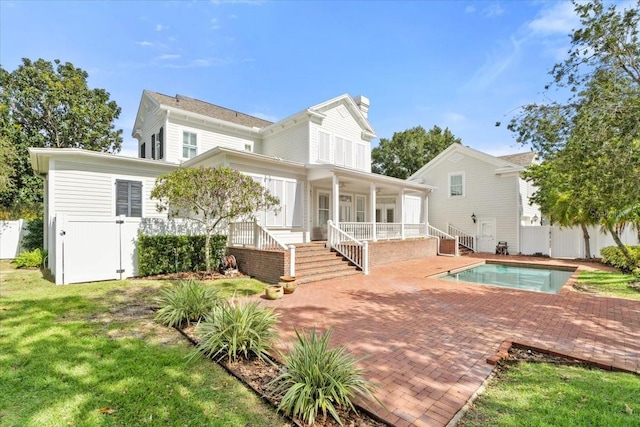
(326, 276)
(319, 268)
(312, 258)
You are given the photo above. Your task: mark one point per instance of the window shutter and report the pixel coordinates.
(143, 150)
(161, 143)
(122, 198)
(128, 198)
(339, 155)
(136, 199)
(153, 146)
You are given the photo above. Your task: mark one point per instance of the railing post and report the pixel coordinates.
(457, 246)
(230, 236)
(365, 257)
(256, 235)
(292, 261)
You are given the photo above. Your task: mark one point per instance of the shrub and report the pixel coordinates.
(34, 237)
(237, 330)
(317, 379)
(612, 255)
(34, 258)
(185, 302)
(172, 254)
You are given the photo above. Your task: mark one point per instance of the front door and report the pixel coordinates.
(345, 208)
(487, 235)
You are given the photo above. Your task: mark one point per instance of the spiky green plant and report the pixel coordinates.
(185, 302)
(34, 258)
(319, 379)
(235, 330)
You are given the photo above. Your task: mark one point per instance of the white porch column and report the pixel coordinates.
(425, 212)
(336, 200)
(372, 210)
(402, 214)
(310, 213)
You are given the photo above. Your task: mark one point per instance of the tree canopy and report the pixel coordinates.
(591, 141)
(45, 104)
(211, 196)
(408, 151)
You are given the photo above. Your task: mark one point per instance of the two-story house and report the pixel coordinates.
(316, 161)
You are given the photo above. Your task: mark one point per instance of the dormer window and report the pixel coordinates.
(189, 145)
(248, 147)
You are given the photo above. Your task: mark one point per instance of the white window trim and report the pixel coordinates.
(464, 190)
(182, 146)
(322, 193)
(114, 192)
(330, 142)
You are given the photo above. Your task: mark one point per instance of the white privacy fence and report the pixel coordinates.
(87, 249)
(559, 242)
(11, 234)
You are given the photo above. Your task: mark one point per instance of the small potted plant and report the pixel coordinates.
(274, 291)
(288, 283)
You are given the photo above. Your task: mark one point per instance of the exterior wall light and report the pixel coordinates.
(473, 217)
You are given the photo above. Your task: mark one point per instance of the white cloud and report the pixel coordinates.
(559, 19)
(215, 25)
(494, 9)
(144, 43)
(495, 66)
(160, 27)
(470, 9)
(169, 56)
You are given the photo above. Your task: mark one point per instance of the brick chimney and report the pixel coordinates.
(363, 103)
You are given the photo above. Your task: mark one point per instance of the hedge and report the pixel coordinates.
(612, 255)
(173, 254)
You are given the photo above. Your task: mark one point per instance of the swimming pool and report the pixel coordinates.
(515, 276)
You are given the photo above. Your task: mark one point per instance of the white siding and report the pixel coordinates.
(89, 189)
(291, 144)
(207, 138)
(528, 211)
(152, 125)
(343, 127)
(486, 195)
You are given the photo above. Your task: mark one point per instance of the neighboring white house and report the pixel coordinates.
(481, 198)
(317, 161)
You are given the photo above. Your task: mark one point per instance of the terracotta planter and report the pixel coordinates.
(289, 287)
(274, 291)
(287, 278)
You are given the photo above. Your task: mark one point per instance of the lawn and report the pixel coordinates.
(543, 394)
(91, 355)
(609, 283)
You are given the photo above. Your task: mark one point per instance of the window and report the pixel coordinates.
(360, 155)
(323, 209)
(143, 150)
(324, 147)
(248, 147)
(153, 147)
(359, 209)
(129, 198)
(339, 151)
(456, 184)
(189, 145)
(159, 145)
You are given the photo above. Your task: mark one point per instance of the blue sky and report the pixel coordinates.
(458, 64)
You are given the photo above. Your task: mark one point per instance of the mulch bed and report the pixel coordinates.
(196, 275)
(257, 374)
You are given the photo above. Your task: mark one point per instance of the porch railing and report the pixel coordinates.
(467, 240)
(352, 249)
(442, 235)
(253, 234)
(364, 231)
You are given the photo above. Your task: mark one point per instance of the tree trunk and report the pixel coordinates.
(207, 250)
(587, 244)
(623, 248)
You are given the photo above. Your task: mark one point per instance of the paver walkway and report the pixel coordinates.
(427, 340)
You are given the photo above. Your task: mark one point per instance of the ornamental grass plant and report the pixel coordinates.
(186, 302)
(237, 330)
(318, 379)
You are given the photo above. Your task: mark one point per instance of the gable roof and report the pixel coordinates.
(502, 165)
(206, 109)
(346, 100)
(521, 159)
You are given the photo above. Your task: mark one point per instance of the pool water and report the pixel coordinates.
(537, 279)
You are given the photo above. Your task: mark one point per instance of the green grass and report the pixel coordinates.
(543, 394)
(609, 283)
(67, 352)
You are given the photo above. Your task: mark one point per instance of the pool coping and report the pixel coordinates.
(564, 267)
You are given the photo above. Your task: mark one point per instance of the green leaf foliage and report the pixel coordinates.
(49, 104)
(30, 259)
(613, 256)
(172, 254)
(318, 379)
(408, 151)
(34, 237)
(184, 303)
(237, 330)
(211, 196)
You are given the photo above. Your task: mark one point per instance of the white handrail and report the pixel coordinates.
(355, 251)
(467, 240)
(442, 235)
(253, 234)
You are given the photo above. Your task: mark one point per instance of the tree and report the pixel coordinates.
(594, 136)
(408, 151)
(211, 196)
(7, 155)
(44, 104)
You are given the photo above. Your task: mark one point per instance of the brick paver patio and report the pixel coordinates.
(427, 340)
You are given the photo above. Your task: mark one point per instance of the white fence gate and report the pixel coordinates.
(89, 249)
(568, 242)
(11, 234)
